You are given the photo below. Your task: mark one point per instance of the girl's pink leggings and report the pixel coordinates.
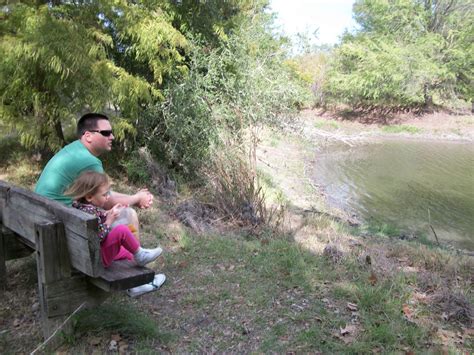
(119, 244)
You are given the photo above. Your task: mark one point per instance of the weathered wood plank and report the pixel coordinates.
(47, 207)
(63, 296)
(52, 250)
(23, 209)
(42, 209)
(122, 275)
(3, 259)
(3, 194)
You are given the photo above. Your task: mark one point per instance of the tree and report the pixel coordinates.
(59, 58)
(406, 53)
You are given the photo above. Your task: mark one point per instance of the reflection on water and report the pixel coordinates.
(398, 181)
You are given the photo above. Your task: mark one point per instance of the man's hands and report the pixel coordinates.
(145, 198)
(113, 213)
(142, 199)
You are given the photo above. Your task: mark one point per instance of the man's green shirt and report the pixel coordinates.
(63, 169)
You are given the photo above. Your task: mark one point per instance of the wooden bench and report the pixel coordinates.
(70, 272)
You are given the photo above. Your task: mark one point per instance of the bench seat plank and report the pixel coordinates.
(122, 275)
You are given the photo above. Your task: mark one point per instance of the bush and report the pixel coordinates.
(228, 89)
(136, 169)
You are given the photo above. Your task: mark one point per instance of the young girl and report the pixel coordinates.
(90, 192)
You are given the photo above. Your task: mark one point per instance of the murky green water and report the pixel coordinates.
(396, 182)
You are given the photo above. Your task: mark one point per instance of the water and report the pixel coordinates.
(396, 182)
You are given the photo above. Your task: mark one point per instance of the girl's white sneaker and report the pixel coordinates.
(145, 256)
(146, 288)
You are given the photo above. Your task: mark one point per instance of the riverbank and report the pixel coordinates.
(288, 159)
(325, 133)
(433, 126)
(313, 284)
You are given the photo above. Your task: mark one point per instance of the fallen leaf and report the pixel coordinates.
(347, 334)
(421, 297)
(407, 311)
(351, 306)
(446, 336)
(113, 345)
(468, 331)
(368, 260)
(348, 329)
(232, 267)
(94, 341)
(183, 264)
(123, 349)
(372, 278)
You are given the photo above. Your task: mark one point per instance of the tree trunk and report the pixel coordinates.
(427, 97)
(59, 130)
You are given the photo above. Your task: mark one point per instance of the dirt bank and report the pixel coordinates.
(438, 125)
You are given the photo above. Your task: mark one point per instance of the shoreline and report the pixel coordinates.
(305, 137)
(430, 127)
(374, 136)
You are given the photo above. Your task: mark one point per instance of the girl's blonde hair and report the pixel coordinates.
(87, 184)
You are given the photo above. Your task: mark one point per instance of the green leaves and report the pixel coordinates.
(407, 53)
(62, 58)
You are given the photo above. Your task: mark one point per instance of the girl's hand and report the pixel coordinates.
(113, 213)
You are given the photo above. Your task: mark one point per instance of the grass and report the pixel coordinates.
(401, 129)
(276, 293)
(267, 296)
(320, 124)
(232, 293)
(116, 318)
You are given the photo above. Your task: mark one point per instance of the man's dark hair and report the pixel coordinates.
(89, 122)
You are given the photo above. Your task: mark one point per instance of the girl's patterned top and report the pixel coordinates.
(104, 229)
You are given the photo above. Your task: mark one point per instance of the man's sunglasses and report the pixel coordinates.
(105, 132)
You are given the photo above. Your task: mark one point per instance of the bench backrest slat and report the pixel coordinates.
(21, 209)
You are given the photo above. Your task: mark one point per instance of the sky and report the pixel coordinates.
(330, 16)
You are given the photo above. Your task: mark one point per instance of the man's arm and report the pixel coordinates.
(142, 199)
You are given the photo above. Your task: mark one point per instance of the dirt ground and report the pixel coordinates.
(216, 299)
(437, 125)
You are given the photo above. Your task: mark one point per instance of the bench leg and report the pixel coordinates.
(61, 291)
(3, 267)
(10, 248)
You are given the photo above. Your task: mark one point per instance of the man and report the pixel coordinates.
(95, 137)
